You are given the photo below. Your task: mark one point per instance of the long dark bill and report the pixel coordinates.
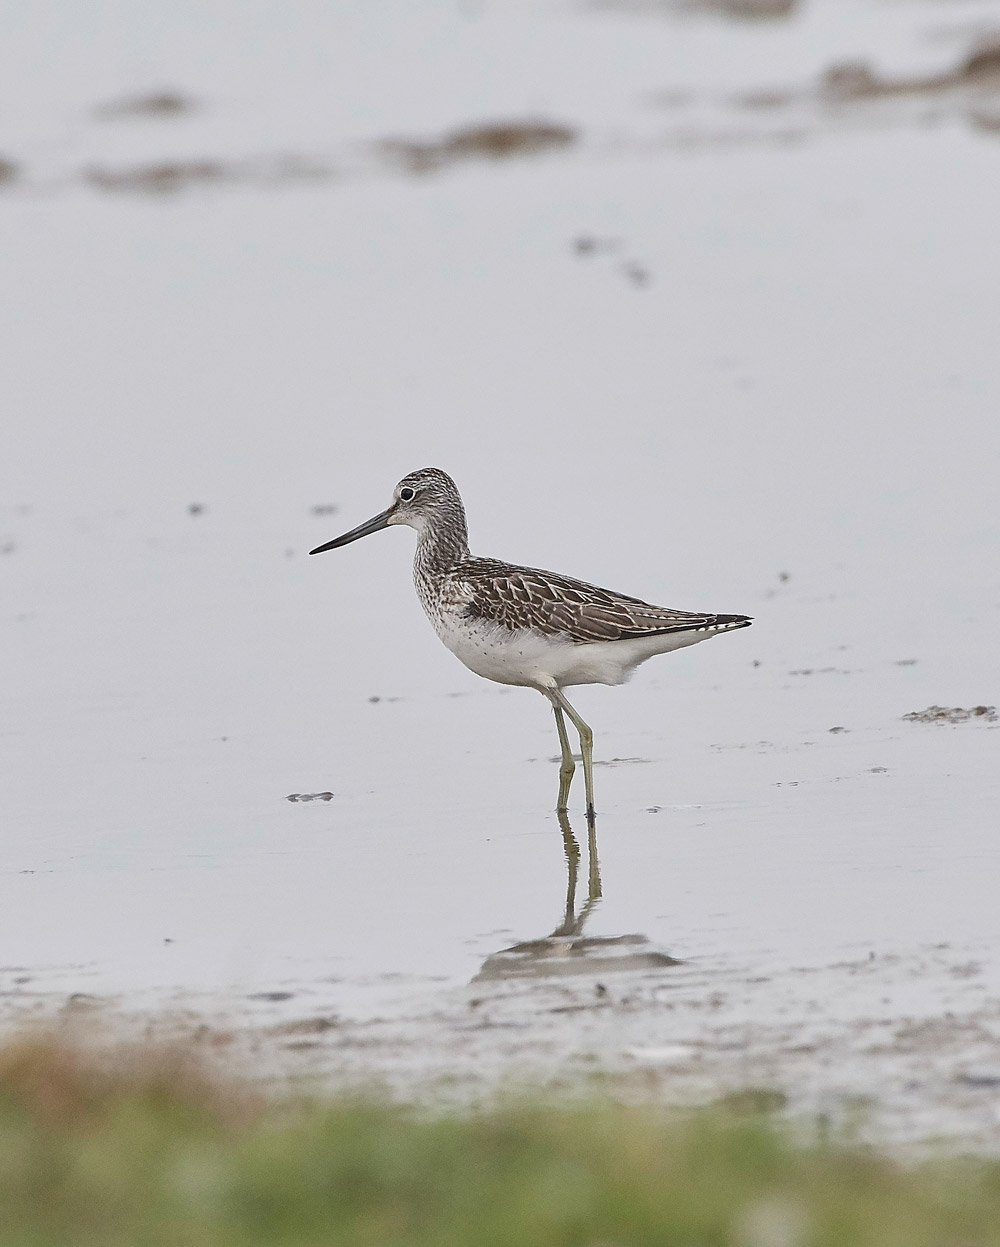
(369, 526)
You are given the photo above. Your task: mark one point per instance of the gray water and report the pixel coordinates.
(718, 356)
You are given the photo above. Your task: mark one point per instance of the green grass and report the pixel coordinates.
(154, 1152)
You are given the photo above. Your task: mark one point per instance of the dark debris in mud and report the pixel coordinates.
(985, 119)
(170, 176)
(853, 80)
(755, 8)
(306, 1026)
(309, 796)
(155, 105)
(497, 140)
(974, 83)
(952, 714)
(8, 171)
(586, 245)
(636, 273)
(158, 177)
(589, 244)
(849, 87)
(745, 9)
(986, 1079)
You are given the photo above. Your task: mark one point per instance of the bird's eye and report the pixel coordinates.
(405, 494)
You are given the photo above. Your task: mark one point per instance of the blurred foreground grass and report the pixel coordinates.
(150, 1150)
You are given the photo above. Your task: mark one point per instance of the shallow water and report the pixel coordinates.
(677, 357)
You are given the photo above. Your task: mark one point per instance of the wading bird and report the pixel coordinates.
(522, 626)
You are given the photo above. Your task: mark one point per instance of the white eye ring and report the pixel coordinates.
(406, 494)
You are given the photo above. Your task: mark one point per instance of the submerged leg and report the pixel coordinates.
(586, 744)
(594, 891)
(567, 766)
(572, 850)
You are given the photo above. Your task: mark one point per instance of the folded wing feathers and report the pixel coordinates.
(516, 597)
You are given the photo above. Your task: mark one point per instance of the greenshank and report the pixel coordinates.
(522, 626)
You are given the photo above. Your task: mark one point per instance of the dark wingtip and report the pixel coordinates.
(732, 621)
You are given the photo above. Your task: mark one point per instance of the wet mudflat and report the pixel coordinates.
(790, 414)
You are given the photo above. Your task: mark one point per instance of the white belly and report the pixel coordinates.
(527, 658)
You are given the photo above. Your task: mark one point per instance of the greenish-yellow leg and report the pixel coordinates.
(566, 767)
(594, 891)
(586, 745)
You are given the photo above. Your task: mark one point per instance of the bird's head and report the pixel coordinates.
(422, 498)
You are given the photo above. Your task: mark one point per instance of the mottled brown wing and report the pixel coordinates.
(520, 597)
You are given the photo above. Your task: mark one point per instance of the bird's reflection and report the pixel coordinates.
(567, 951)
(572, 923)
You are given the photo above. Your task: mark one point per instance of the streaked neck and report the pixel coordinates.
(442, 543)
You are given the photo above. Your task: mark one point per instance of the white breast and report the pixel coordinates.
(496, 653)
(528, 658)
